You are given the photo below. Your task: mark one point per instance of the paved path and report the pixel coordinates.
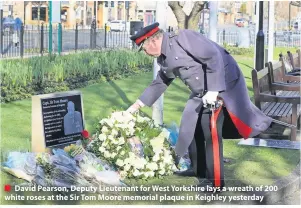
(293, 199)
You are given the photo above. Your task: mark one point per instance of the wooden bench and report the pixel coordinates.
(287, 66)
(278, 72)
(295, 60)
(278, 100)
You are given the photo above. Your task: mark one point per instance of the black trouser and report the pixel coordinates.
(203, 153)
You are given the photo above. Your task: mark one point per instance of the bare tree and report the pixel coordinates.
(296, 3)
(185, 21)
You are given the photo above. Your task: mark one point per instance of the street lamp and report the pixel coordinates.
(260, 41)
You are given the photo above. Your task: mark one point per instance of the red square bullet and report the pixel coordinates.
(7, 188)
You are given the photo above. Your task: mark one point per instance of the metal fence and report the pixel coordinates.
(35, 40)
(230, 37)
(281, 38)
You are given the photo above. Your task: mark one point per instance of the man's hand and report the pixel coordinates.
(209, 98)
(135, 107)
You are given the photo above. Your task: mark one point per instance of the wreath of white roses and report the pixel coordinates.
(134, 145)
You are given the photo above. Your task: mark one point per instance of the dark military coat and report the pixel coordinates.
(204, 66)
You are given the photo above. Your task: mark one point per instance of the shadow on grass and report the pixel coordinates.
(120, 92)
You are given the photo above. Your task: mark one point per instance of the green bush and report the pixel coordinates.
(248, 52)
(21, 78)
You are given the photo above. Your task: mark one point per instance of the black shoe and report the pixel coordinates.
(186, 173)
(204, 182)
(208, 185)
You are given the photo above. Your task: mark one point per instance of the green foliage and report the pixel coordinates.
(21, 78)
(248, 52)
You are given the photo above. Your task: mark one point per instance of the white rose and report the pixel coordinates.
(152, 166)
(132, 155)
(111, 137)
(156, 157)
(114, 132)
(146, 174)
(127, 160)
(138, 165)
(102, 137)
(102, 149)
(119, 162)
(104, 129)
(157, 150)
(110, 122)
(118, 148)
(113, 155)
(115, 141)
(121, 141)
(107, 154)
(151, 174)
(161, 172)
(136, 172)
(127, 167)
(103, 121)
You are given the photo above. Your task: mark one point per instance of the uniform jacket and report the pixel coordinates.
(204, 66)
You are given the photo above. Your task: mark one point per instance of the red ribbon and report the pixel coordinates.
(215, 146)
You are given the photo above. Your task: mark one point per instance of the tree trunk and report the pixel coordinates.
(179, 13)
(186, 21)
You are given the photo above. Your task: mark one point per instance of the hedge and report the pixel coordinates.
(22, 78)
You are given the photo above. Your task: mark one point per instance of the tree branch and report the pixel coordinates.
(296, 3)
(178, 12)
(175, 5)
(198, 7)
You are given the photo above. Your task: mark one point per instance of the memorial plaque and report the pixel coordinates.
(57, 119)
(273, 143)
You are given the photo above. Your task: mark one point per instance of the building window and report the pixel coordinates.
(35, 14)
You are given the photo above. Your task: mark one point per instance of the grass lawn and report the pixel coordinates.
(250, 165)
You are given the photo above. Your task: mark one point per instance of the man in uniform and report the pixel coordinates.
(211, 73)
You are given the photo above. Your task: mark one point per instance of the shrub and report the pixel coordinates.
(21, 78)
(239, 51)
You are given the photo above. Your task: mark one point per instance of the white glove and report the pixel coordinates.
(209, 98)
(135, 107)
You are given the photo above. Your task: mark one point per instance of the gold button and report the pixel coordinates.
(176, 58)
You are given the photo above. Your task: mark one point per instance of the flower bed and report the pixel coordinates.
(21, 78)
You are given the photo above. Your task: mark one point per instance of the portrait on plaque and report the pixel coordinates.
(72, 120)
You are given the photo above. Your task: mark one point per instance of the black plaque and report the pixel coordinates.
(62, 119)
(282, 144)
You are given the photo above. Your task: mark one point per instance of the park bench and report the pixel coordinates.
(295, 60)
(287, 66)
(279, 72)
(276, 98)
